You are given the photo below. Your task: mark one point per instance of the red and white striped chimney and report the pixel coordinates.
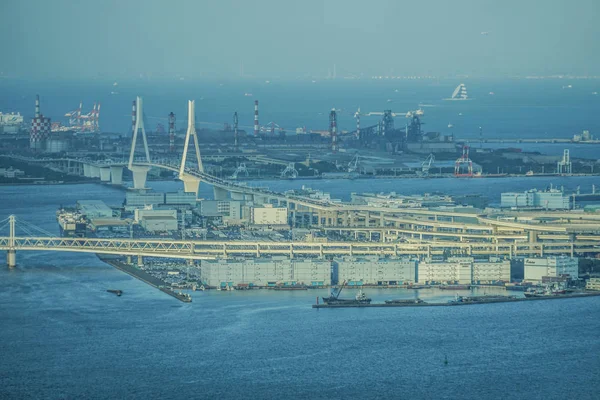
(37, 106)
(255, 117)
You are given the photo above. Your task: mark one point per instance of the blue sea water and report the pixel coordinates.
(63, 336)
(518, 108)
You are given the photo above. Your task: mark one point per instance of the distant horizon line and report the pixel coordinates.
(269, 80)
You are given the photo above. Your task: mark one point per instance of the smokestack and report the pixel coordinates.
(172, 132)
(358, 123)
(333, 130)
(37, 106)
(235, 130)
(133, 118)
(255, 117)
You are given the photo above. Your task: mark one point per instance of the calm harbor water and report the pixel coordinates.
(64, 336)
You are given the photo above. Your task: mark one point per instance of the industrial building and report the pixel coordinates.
(551, 199)
(536, 269)
(141, 199)
(593, 284)
(10, 123)
(269, 215)
(464, 270)
(374, 270)
(135, 199)
(93, 209)
(228, 209)
(266, 272)
(157, 220)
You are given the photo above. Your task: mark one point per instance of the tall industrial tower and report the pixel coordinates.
(387, 122)
(333, 130)
(357, 116)
(171, 133)
(256, 128)
(40, 127)
(235, 130)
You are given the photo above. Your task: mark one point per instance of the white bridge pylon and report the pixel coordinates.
(139, 172)
(190, 183)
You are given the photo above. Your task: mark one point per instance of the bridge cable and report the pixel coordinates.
(44, 232)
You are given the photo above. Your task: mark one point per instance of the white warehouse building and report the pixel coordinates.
(464, 270)
(266, 272)
(269, 215)
(157, 220)
(551, 199)
(537, 268)
(372, 270)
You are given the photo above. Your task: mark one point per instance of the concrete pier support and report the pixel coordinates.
(237, 196)
(11, 258)
(220, 194)
(191, 184)
(95, 171)
(140, 261)
(105, 174)
(248, 197)
(139, 176)
(87, 171)
(116, 175)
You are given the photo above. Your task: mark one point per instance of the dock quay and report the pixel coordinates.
(525, 140)
(452, 303)
(146, 278)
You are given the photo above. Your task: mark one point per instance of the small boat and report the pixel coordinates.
(115, 291)
(334, 299)
(459, 94)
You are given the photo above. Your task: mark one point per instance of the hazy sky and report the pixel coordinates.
(288, 39)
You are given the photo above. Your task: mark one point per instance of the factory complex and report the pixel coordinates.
(382, 272)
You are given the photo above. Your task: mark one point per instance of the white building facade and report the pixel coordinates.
(266, 272)
(537, 268)
(375, 270)
(269, 215)
(464, 270)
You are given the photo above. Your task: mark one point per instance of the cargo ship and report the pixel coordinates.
(482, 299)
(71, 223)
(334, 299)
(454, 287)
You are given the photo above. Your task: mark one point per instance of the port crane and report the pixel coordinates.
(84, 122)
(289, 172)
(336, 294)
(426, 165)
(271, 127)
(463, 167)
(241, 169)
(353, 164)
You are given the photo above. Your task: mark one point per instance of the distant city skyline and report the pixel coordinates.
(290, 40)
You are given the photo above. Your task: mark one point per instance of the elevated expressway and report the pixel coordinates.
(214, 249)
